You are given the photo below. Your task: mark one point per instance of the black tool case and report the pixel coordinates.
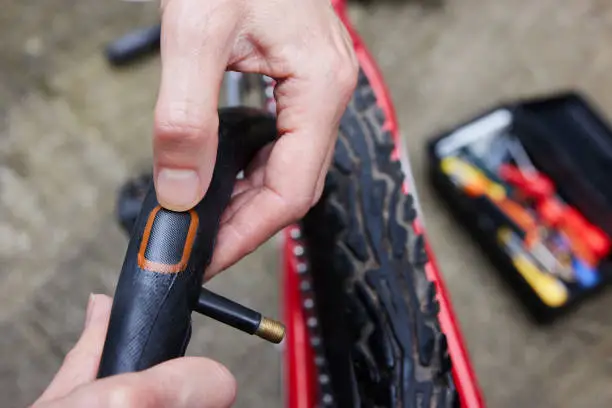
(565, 139)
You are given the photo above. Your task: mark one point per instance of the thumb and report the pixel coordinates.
(194, 54)
(187, 382)
(81, 363)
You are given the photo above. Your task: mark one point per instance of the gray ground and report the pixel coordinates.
(71, 130)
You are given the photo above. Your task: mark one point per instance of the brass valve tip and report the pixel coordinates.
(270, 330)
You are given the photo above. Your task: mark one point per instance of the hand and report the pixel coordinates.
(181, 383)
(306, 49)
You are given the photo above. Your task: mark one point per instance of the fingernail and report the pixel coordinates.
(177, 190)
(90, 308)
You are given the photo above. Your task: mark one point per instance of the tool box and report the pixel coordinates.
(532, 183)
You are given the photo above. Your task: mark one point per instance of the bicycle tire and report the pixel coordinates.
(376, 344)
(377, 312)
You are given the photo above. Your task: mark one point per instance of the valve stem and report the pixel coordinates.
(239, 317)
(270, 330)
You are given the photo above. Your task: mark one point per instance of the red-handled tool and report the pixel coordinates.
(588, 241)
(533, 185)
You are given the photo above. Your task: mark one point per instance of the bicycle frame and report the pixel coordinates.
(298, 362)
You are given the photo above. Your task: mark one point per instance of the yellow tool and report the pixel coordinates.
(550, 289)
(475, 183)
(472, 180)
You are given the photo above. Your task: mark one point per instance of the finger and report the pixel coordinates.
(187, 382)
(288, 191)
(255, 171)
(248, 228)
(260, 212)
(323, 174)
(298, 160)
(81, 363)
(246, 188)
(195, 45)
(238, 201)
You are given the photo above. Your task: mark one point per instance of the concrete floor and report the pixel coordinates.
(71, 130)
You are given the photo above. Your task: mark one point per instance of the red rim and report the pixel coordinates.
(300, 381)
(299, 365)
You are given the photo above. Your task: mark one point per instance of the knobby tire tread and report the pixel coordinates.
(378, 332)
(377, 308)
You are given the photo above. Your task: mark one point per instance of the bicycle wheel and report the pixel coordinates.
(373, 325)
(372, 313)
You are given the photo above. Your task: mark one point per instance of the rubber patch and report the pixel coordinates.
(167, 240)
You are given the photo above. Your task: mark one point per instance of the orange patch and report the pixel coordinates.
(159, 267)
